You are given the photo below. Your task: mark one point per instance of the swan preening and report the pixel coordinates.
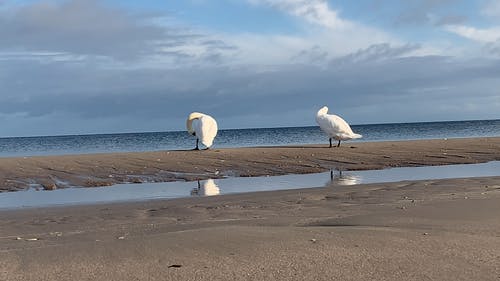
(334, 126)
(203, 127)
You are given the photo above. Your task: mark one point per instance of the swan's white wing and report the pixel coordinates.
(336, 127)
(342, 126)
(332, 124)
(324, 124)
(206, 129)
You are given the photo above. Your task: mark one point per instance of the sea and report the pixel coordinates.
(181, 140)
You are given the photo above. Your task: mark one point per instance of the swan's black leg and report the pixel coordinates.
(338, 145)
(330, 142)
(196, 148)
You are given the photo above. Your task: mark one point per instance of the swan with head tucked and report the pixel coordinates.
(203, 127)
(334, 126)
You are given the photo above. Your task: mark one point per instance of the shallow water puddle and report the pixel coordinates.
(145, 191)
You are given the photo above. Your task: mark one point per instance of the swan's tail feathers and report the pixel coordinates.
(207, 142)
(356, 136)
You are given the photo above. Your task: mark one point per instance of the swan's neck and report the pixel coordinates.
(189, 121)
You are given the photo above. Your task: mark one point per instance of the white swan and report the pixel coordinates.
(334, 126)
(203, 127)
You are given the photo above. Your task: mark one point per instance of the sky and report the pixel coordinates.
(89, 66)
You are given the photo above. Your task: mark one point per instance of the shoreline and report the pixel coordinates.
(104, 169)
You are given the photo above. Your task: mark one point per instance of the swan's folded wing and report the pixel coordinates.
(208, 130)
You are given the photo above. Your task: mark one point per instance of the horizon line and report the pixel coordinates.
(228, 129)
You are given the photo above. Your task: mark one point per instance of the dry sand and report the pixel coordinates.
(422, 230)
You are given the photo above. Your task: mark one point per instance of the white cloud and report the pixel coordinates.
(484, 35)
(242, 76)
(313, 11)
(265, 50)
(325, 32)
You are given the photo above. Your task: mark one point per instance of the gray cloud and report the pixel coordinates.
(450, 20)
(376, 52)
(493, 48)
(364, 91)
(74, 75)
(76, 27)
(312, 55)
(417, 12)
(89, 27)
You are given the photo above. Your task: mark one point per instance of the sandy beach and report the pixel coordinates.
(411, 230)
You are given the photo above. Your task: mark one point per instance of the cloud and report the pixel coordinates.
(484, 35)
(323, 35)
(491, 9)
(450, 20)
(314, 11)
(434, 12)
(488, 37)
(91, 28)
(313, 55)
(80, 27)
(143, 72)
(493, 48)
(376, 52)
(376, 84)
(81, 30)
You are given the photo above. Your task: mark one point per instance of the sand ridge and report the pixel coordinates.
(52, 172)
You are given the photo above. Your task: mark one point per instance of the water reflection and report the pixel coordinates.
(206, 188)
(213, 187)
(338, 177)
(146, 191)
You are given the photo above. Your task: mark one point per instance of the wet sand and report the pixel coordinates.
(410, 230)
(52, 172)
(425, 230)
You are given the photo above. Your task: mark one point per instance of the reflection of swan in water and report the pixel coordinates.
(206, 188)
(343, 179)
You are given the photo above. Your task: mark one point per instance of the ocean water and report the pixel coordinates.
(180, 140)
